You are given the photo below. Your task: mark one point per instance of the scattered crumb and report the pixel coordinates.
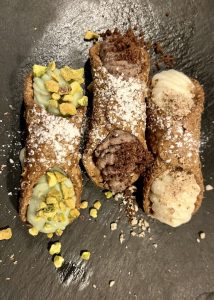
(155, 245)
(134, 221)
(113, 226)
(15, 262)
(122, 237)
(198, 240)
(11, 161)
(133, 233)
(209, 187)
(85, 255)
(108, 194)
(202, 235)
(104, 236)
(10, 194)
(5, 234)
(93, 213)
(33, 231)
(90, 35)
(55, 248)
(84, 204)
(8, 278)
(94, 286)
(97, 204)
(111, 283)
(58, 261)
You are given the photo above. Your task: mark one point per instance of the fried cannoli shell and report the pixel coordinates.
(34, 166)
(101, 123)
(179, 157)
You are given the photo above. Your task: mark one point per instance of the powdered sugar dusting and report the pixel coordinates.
(124, 100)
(58, 132)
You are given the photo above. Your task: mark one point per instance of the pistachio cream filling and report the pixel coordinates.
(52, 205)
(59, 90)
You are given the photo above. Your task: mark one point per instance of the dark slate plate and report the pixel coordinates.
(179, 268)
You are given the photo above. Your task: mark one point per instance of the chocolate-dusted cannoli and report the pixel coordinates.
(173, 187)
(116, 153)
(51, 182)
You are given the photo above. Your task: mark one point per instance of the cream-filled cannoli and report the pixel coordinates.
(51, 182)
(116, 153)
(173, 187)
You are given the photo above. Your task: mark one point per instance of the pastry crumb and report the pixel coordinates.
(111, 283)
(122, 237)
(202, 235)
(209, 187)
(113, 226)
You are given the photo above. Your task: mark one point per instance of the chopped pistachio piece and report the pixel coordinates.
(52, 181)
(83, 101)
(59, 232)
(62, 205)
(52, 66)
(59, 176)
(70, 202)
(108, 194)
(72, 74)
(55, 193)
(55, 76)
(67, 191)
(33, 231)
(50, 235)
(53, 103)
(55, 248)
(5, 234)
(68, 98)
(90, 35)
(75, 88)
(47, 226)
(84, 204)
(58, 261)
(38, 70)
(52, 86)
(97, 204)
(93, 213)
(74, 213)
(85, 255)
(67, 109)
(51, 200)
(55, 96)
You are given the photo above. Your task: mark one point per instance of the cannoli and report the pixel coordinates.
(116, 153)
(173, 187)
(51, 183)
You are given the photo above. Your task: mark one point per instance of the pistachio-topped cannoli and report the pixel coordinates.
(51, 183)
(116, 153)
(173, 189)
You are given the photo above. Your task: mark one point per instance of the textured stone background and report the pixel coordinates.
(38, 31)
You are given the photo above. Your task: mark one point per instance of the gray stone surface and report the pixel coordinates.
(179, 268)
